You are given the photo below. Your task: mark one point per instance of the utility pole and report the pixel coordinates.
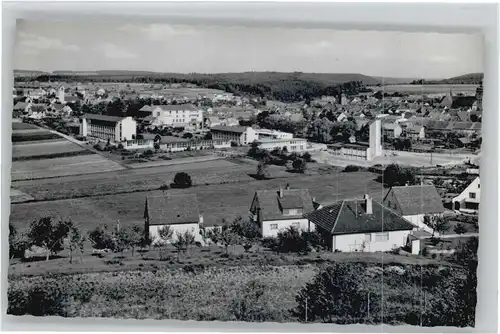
(306, 309)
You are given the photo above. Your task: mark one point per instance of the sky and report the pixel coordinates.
(91, 46)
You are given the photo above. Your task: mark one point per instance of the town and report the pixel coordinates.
(176, 170)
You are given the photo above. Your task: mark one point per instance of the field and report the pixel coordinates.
(250, 293)
(35, 150)
(426, 89)
(216, 201)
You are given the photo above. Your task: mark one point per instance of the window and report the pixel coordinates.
(368, 237)
(384, 236)
(478, 186)
(472, 195)
(274, 226)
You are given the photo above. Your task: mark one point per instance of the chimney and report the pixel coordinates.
(201, 220)
(287, 186)
(281, 192)
(368, 204)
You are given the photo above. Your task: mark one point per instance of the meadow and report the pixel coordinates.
(45, 149)
(216, 200)
(248, 293)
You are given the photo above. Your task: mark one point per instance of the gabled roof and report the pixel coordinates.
(21, 105)
(71, 98)
(172, 209)
(271, 204)
(418, 199)
(237, 129)
(350, 217)
(103, 117)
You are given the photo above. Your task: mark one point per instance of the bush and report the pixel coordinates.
(307, 157)
(182, 180)
(291, 240)
(270, 243)
(460, 229)
(234, 144)
(42, 299)
(248, 306)
(299, 165)
(351, 168)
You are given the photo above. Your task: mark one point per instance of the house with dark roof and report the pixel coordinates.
(179, 212)
(415, 202)
(360, 225)
(276, 210)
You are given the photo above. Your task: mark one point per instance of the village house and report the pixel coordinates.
(414, 202)
(273, 134)
(356, 226)
(178, 115)
(468, 200)
(414, 132)
(25, 107)
(275, 211)
(179, 212)
(112, 128)
(391, 130)
(297, 145)
(239, 134)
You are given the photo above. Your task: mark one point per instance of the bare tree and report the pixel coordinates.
(165, 235)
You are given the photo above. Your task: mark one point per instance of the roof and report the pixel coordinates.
(103, 117)
(170, 107)
(172, 139)
(238, 129)
(418, 199)
(350, 217)
(172, 209)
(21, 105)
(71, 98)
(271, 204)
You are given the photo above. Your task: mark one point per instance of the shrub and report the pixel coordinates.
(299, 165)
(460, 229)
(182, 180)
(42, 299)
(351, 168)
(234, 144)
(248, 306)
(291, 240)
(307, 157)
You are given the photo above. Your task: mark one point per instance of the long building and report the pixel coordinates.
(112, 128)
(178, 115)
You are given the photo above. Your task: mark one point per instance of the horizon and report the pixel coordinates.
(215, 73)
(162, 48)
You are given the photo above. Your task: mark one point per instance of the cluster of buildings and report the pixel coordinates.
(350, 225)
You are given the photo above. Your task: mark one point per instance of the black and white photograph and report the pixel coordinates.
(243, 173)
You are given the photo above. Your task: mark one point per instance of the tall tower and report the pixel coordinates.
(60, 94)
(375, 149)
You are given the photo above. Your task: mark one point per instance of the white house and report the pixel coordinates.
(179, 212)
(275, 211)
(239, 134)
(114, 128)
(292, 145)
(356, 226)
(414, 202)
(176, 115)
(468, 200)
(274, 134)
(391, 130)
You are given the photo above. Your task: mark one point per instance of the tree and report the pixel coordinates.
(18, 242)
(182, 180)
(125, 238)
(179, 244)
(225, 234)
(49, 234)
(460, 229)
(247, 231)
(165, 235)
(299, 165)
(102, 238)
(262, 171)
(437, 223)
(76, 241)
(247, 306)
(291, 240)
(335, 292)
(189, 239)
(394, 175)
(307, 157)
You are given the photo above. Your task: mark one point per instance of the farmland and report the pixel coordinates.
(216, 201)
(426, 89)
(35, 150)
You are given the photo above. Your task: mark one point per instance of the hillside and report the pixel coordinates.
(466, 79)
(27, 73)
(287, 87)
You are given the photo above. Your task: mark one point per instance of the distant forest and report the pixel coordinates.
(467, 79)
(285, 87)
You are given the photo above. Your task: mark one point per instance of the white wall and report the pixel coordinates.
(474, 187)
(351, 242)
(181, 228)
(304, 225)
(418, 221)
(128, 129)
(83, 127)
